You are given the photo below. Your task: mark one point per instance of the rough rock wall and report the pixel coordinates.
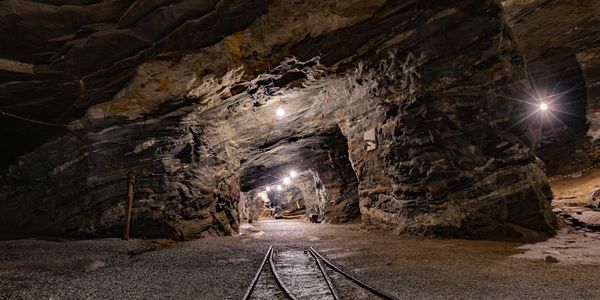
(339, 199)
(313, 193)
(60, 57)
(434, 81)
(252, 205)
(330, 189)
(589, 60)
(77, 185)
(447, 162)
(560, 41)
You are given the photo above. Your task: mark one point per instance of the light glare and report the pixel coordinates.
(280, 112)
(279, 187)
(293, 174)
(286, 180)
(268, 189)
(543, 106)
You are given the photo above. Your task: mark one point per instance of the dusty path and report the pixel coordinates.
(222, 268)
(573, 201)
(574, 193)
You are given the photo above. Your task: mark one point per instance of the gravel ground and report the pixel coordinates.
(221, 268)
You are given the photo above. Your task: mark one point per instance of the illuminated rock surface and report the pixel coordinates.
(184, 95)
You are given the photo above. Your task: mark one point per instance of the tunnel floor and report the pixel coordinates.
(573, 200)
(223, 267)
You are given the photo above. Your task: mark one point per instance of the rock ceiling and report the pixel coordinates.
(184, 94)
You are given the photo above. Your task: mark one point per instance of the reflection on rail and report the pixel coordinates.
(312, 275)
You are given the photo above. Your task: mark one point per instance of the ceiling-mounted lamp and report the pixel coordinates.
(293, 174)
(268, 189)
(286, 180)
(279, 187)
(543, 106)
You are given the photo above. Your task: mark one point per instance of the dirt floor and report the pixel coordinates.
(573, 200)
(221, 268)
(573, 193)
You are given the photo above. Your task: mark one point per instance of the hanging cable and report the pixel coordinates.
(32, 120)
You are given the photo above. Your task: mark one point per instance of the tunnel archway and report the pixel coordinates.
(311, 175)
(564, 145)
(566, 133)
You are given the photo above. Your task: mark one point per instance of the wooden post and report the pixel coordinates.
(130, 192)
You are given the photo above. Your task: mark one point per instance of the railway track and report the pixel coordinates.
(306, 274)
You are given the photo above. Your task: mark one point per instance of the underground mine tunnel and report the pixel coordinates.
(275, 149)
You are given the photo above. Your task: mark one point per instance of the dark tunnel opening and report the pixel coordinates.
(563, 146)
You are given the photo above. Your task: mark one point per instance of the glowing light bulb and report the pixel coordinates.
(544, 106)
(286, 180)
(280, 112)
(268, 189)
(293, 174)
(279, 187)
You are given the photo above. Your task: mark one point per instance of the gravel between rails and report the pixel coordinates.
(222, 268)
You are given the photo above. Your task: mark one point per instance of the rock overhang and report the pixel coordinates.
(210, 114)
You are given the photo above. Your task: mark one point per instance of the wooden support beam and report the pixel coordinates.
(15, 66)
(130, 192)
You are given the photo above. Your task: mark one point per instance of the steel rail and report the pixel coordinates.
(329, 283)
(255, 280)
(362, 284)
(278, 279)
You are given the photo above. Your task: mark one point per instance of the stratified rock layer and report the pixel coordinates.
(424, 87)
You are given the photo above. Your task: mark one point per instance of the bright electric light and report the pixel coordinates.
(279, 187)
(543, 106)
(293, 174)
(268, 189)
(286, 180)
(280, 112)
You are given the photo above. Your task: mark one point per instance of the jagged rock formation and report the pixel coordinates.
(560, 41)
(61, 57)
(419, 91)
